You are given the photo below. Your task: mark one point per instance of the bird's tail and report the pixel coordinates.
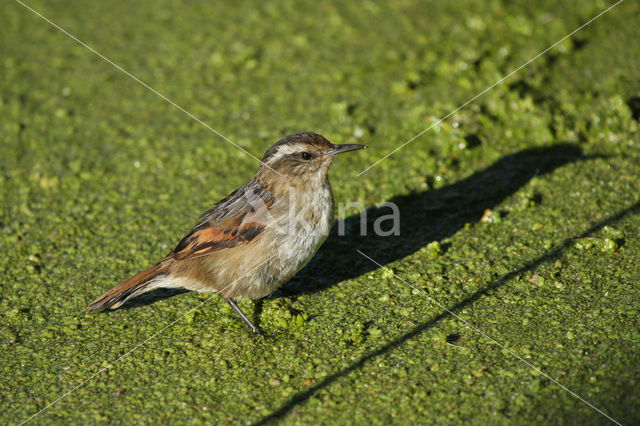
(132, 287)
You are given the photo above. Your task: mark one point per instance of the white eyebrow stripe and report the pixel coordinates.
(288, 149)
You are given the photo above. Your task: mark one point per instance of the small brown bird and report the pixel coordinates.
(250, 243)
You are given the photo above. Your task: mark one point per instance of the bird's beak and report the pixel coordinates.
(339, 149)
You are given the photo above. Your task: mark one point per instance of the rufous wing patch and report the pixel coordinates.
(209, 237)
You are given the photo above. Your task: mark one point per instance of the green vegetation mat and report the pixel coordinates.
(520, 213)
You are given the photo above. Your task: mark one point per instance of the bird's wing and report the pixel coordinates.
(237, 219)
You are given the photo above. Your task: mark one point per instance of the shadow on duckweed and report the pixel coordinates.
(427, 216)
(455, 205)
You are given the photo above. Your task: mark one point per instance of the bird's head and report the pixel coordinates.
(303, 157)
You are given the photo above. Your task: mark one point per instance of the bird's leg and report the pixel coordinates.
(242, 315)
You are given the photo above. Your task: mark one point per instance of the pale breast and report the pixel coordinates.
(298, 237)
(297, 229)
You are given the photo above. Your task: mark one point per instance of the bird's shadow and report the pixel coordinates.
(151, 297)
(431, 215)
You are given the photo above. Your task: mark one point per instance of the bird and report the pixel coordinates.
(257, 238)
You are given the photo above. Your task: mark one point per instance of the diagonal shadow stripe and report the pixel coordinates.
(549, 255)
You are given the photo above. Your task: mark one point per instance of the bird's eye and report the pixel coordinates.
(306, 156)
